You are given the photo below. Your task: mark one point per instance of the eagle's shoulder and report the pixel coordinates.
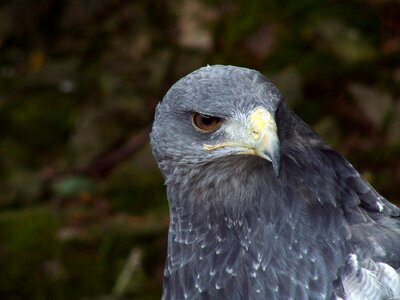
(374, 223)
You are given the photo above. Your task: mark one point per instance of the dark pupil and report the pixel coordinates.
(207, 120)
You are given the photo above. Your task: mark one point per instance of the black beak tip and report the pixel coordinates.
(277, 167)
(276, 163)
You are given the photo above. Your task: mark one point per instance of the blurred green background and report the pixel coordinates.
(83, 213)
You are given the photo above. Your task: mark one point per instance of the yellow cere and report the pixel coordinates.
(259, 119)
(260, 124)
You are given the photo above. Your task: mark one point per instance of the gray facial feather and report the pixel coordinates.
(318, 231)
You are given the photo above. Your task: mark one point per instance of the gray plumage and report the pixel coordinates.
(298, 224)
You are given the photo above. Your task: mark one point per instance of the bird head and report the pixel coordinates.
(215, 113)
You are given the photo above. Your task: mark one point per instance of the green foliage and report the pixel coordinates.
(29, 252)
(72, 186)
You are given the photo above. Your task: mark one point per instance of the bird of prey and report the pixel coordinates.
(260, 206)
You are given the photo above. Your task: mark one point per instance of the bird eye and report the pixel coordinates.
(205, 123)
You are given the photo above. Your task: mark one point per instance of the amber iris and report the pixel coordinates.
(204, 122)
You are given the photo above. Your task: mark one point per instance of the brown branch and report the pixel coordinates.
(106, 162)
(103, 164)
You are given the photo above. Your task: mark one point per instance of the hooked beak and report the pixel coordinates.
(259, 137)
